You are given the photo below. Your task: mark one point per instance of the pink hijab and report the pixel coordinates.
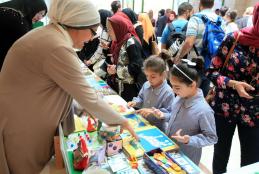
(250, 35)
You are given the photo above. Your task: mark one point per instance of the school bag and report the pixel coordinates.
(212, 38)
(176, 39)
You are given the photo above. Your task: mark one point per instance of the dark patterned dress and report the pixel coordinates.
(243, 66)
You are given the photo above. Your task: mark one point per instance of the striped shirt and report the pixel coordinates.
(196, 27)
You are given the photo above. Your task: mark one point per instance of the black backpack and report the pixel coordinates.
(176, 39)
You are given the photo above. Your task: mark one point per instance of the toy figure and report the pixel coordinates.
(90, 126)
(81, 155)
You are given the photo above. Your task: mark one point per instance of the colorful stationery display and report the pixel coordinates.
(99, 85)
(118, 162)
(184, 162)
(118, 104)
(151, 138)
(158, 161)
(105, 143)
(132, 148)
(136, 121)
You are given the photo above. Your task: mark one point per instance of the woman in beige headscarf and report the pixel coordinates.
(40, 75)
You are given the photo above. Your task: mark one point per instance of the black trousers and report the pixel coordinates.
(249, 144)
(130, 91)
(205, 84)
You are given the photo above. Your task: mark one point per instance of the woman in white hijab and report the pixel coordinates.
(40, 75)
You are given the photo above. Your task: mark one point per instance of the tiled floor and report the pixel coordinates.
(50, 168)
(234, 160)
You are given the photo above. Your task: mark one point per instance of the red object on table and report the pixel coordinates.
(81, 155)
(90, 126)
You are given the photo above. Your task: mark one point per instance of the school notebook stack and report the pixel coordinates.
(150, 138)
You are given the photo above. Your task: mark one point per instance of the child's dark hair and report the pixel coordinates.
(187, 73)
(115, 5)
(232, 15)
(157, 63)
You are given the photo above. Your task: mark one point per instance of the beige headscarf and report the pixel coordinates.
(74, 13)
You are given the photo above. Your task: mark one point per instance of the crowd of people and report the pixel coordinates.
(197, 90)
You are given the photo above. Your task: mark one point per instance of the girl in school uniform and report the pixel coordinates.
(155, 94)
(192, 123)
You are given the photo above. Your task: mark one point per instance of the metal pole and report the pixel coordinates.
(142, 8)
(122, 4)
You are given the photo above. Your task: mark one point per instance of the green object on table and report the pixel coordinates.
(70, 158)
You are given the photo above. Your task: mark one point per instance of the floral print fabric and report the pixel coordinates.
(243, 65)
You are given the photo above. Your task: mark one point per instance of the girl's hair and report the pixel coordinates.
(157, 63)
(188, 72)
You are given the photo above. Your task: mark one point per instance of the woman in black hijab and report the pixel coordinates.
(16, 18)
(101, 53)
(134, 19)
(29, 8)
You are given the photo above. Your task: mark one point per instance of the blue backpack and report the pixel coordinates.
(212, 38)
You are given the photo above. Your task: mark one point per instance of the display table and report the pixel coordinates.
(154, 150)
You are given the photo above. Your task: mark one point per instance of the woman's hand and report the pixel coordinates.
(127, 126)
(111, 69)
(242, 88)
(183, 139)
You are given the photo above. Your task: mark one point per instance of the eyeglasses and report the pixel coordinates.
(93, 32)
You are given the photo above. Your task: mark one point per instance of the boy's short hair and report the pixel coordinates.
(207, 3)
(115, 5)
(223, 10)
(184, 7)
(232, 15)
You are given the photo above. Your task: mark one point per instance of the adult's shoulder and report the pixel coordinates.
(196, 17)
(48, 37)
